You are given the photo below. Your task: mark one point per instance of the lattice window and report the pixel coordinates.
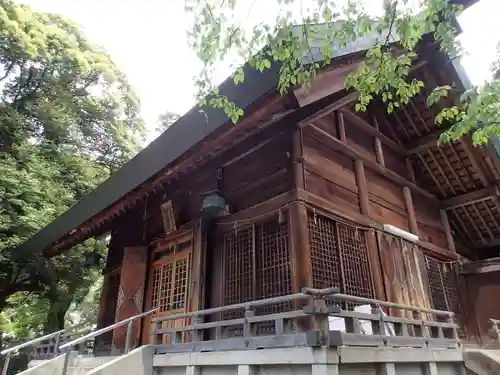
(354, 260)
(256, 262)
(169, 287)
(273, 271)
(442, 282)
(325, 257)
(339, 257)
(238, 266)
(179, 288)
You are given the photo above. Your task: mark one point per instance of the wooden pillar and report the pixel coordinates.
(364, 202)
(412, 219)
(409, 169)
(297, 160)
(371, 240)
(447, 230)
(103, 302)
(341, 127)
(131, 293)
(378, 145)
(300, 248)
(300, 251)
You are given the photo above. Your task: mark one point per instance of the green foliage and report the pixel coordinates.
(68, 118)
(216, 34)
(478, 112)
(320, 28)
(165, 121)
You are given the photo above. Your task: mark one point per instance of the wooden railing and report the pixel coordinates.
(312, 325)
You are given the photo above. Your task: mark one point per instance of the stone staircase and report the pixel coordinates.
(78, 365)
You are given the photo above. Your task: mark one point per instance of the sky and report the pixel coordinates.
(147, 41)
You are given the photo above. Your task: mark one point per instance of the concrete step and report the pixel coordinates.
(79, 365)
(482, 361)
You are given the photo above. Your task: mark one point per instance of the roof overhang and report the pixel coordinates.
(182, 136)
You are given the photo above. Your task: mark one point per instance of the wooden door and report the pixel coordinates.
(404, 273)
(168, 284)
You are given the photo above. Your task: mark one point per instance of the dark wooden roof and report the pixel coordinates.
(182, 136)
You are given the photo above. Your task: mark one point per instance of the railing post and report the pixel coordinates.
(248, 327)
(67, 356)
(129, 336)
(419, 330)
(155, 334)
(454, 330)
(378, 326)
(6, 364)
(56, 347)
(196, 333)
(494, 331)
(320, 312)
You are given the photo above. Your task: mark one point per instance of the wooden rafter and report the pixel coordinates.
(470, 198)
(424, 143)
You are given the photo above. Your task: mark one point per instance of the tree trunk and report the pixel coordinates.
(56, 314)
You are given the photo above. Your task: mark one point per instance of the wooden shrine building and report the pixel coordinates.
(303, 191)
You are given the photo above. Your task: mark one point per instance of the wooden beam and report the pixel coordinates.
(409, 168)
(324, 205)
(329, 140)
(371, 240)
(349, 98)
(341, 127)
(485, 244)
(300, 252)
(297, 160)
(412, 218)
(447, 230)
(445, 253)
(475, 196)
(365, 126)
(300, 248)
(364, 202)
(471, 154)
(424, 143)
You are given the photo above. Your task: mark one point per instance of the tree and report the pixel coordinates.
(165, 121)
(219, 34)
(68, 118)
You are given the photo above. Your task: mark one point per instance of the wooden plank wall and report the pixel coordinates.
(331, 175)
(341, 174)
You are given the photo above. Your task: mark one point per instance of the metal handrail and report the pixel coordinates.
(67, 347)
(9, 351)
(37, 340)
(99, 332)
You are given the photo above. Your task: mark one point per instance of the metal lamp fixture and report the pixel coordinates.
(214, 204)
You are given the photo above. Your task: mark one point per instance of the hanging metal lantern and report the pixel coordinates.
(92, 260)
(214, 204)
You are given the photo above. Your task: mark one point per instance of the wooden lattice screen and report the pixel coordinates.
(170, 280)
(339, 257)
(256, 263)
(442, 284)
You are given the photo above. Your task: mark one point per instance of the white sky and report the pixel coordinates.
(147, 40)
